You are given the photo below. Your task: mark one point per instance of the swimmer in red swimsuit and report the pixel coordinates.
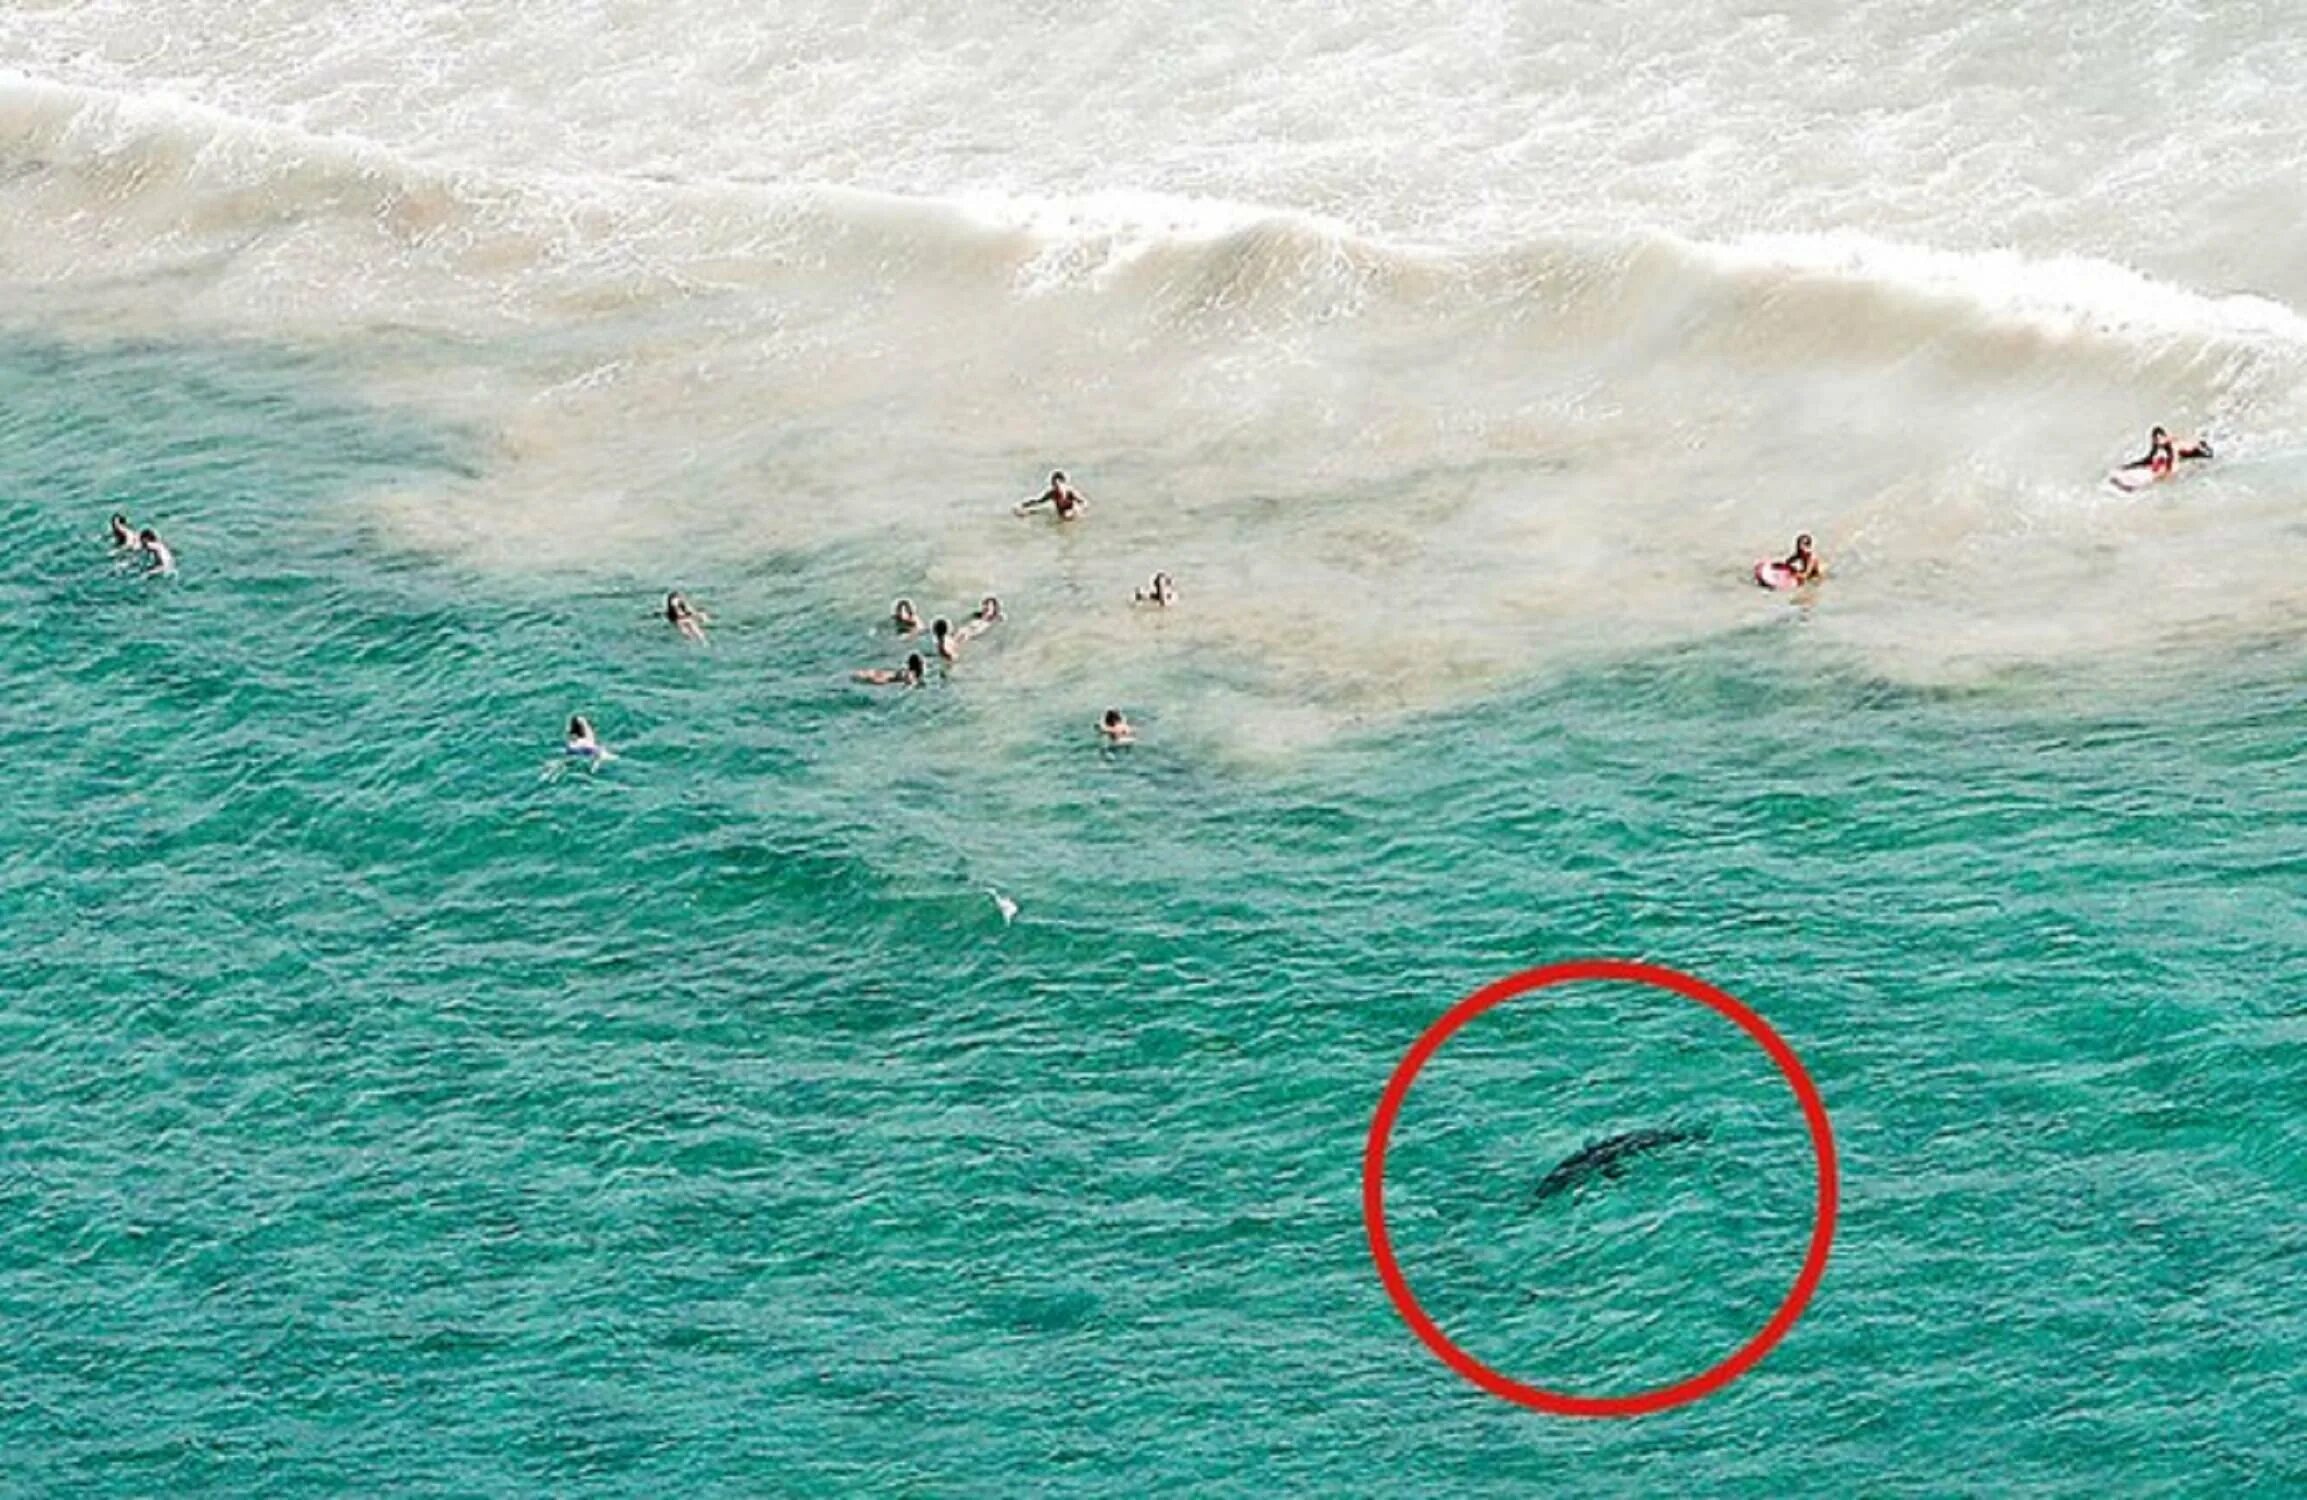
(1068, 501)
(2163, 454)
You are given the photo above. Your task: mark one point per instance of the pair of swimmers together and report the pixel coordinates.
(128, 541)
(1068, 502)
(2162, 455)
(1113, 725)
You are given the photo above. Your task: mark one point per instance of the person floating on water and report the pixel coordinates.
(1162, 591)
(948, 648)
(2163, 454)
(904, 618)
(1068, 501)
(686, 618)
(909, 675)
(1115, 728)
(988, 615)
(1804, 563)
(149, 543)
(582, 743)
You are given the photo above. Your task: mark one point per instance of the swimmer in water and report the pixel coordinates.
(1804, 562)
(582, 744)
(904, 618)
(124, 535)
(686, 618)
(1162, 591)
(948, 648)
(909, 675)
(149, 543)
(1068, 501)
(988, 615)
(581, 748)
(2163, 454)
(1115, 728)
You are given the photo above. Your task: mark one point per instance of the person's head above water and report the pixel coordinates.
(148, 536)
(915, 667)
(2159, 435)
(578, 728)
(1057, 476)
(675, 606)
(904, 613)
(990, 609)
(941, 627)
(1113, 718)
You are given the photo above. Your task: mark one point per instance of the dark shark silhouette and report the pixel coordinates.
(1608, 1157)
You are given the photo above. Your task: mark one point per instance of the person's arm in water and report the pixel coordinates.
(908, 675)
(1046, 497)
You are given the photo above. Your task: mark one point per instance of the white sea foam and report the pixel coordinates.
(2131, 131)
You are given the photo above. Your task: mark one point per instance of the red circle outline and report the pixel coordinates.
(1538, 1398)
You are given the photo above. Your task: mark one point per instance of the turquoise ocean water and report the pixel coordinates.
(385, 1116)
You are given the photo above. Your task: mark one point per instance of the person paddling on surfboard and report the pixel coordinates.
(2163, 454)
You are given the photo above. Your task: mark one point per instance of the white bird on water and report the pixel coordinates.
(1004, 905)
